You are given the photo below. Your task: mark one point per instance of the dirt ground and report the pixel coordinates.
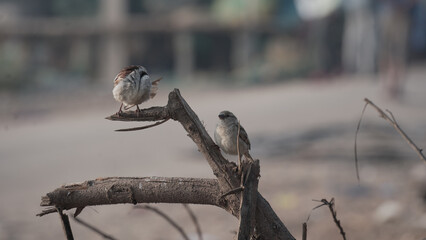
(302, 132)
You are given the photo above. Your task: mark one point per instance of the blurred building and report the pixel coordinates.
(56, 43)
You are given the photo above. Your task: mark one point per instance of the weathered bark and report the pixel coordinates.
(134, 190)
(267, 223)
(249, 200)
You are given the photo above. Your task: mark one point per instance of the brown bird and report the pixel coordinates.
(133, 86)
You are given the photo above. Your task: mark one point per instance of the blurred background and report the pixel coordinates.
(295, 72)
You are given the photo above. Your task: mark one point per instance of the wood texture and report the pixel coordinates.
(134, 190)
(180, 190)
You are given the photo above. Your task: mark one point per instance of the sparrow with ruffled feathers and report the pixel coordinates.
(133, 86)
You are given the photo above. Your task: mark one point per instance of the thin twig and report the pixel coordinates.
(238, 148)
(65, 224)
(194, 220)
(330, 205)
(143, 127)
(355, 145)
(304, 231)
(232, 191)
(396, 126)
(96, 230)
(167, 218)
(46, 211)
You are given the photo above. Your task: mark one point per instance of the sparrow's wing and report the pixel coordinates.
(244, 136)
(123, 73)
(117, 79)
(154, 87)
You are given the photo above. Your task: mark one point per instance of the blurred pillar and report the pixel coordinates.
(112, 54)
(359, 38)
(183, 55)
(242, 52)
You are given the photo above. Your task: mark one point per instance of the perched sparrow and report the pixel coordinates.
(226, 133)
(132, 86)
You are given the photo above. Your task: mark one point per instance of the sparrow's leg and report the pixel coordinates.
(120, 110)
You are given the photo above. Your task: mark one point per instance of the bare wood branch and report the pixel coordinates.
(143, 127)
(65, 224)
(167, 218)
(249, 200)
(396, 126)
(194, 220)
(179, 110)
(94, 229)
(148, 114)
(134, 190)
(304, 231)
(268, 224)
(46, 211)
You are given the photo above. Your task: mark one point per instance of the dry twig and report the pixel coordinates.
(396, 126)
(391, 119)
(125, 190)
(195, 221)
(330, 205)
(94, 229)
(65, 224)
(355, 144)
(167, 218)
(248, 200)
(143, 127)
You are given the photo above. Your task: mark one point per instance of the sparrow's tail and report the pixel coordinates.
(154, 87)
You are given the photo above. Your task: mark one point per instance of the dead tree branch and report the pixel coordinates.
(134, 190)
(249, 200)
(268, 225)
(333, 212)
(395, 125)
(167, 218)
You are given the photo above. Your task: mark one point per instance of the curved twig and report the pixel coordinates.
(355, 144)
(94, 229)
(194, 220)
(143, 127)
(396, 126)
(167, 218)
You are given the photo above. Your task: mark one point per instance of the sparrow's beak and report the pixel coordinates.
(222, 116)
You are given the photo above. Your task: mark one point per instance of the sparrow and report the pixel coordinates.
(133, 86)
(226, 133)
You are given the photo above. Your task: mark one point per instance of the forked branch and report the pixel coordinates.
(391, 119)
(267, 223)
